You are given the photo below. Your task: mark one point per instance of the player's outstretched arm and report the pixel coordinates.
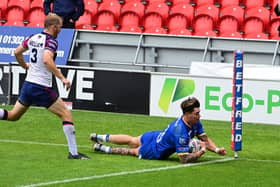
(211, 146)
(190, 157)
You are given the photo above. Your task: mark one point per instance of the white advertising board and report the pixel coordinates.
(261, 98)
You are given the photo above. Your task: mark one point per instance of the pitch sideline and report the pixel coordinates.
(126, 173)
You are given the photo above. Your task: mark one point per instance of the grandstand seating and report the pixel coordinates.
(37, 4)
(177, 24)
(253, 3)
(183, 8)
(254, 28)
(228, 24)
(161, 9)
(24, 4)
(91, 6)
(175, 2)
(135, 7)
(225, 3)
(15, 16)
(210, 10)
(112, 6)
(130, 22)
(258, 12)
(153, 23)
(203, 2)
(85, 21)
(234, 11)
(273, 30)
(203, 25)
(106, 21)
(36, 17)
(3, 7)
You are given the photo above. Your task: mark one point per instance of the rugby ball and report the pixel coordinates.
(194, 145)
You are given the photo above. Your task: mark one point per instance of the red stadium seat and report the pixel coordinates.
(253, 3)
(24, 4)
(204, 2)
(271, 3)
(3, 7)
(231, 35)
(153, 23)
(177, 21)
(37, 4)
(225, 3)
(175, 2)
(229, 27)
(273, 30)
(112, 6)
(210, 10)
(106, 21)
(235, 11)
(91, 6)
(183, 8)
(177, 24)
(147, 2)
(260, 12)
(204, 26)
(135, 7)
(253, 25)
(254, 28)
(129, 28)
(130, 19)
(161, 9)
(182, 31)
(36, 17)
(14, 14)
(156, 30)
(153, 20)
(85, 21)
(256, 36)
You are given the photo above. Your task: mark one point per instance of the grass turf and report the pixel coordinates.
(24, 161)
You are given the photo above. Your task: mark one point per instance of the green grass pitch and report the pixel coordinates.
(33, 152)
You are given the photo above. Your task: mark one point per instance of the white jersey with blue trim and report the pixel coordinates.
(36, 44)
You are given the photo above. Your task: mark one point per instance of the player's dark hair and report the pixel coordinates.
(189, 104)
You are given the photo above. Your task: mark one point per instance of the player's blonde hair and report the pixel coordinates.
(52, 19)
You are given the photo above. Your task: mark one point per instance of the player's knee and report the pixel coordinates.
(13, 117)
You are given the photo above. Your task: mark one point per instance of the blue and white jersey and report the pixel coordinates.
(175, 138)
(36, 44)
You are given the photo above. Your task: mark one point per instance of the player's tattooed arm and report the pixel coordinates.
(190, 157)
(203, 137)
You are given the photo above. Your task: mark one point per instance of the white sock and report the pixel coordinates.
(69, 132)
(2, 113)
(106, 149)
(103, 137)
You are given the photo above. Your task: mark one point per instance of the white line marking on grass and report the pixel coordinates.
(126, 173)
(84, 146)
(35, 143)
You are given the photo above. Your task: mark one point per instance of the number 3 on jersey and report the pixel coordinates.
(33, 55)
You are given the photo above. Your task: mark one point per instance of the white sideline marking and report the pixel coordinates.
(126, 173)
(35, 143)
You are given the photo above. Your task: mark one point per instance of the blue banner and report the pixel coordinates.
(11, 37)
(237, 93)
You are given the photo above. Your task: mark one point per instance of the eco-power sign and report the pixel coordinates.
(261, 98)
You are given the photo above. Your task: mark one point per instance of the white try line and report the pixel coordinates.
(126, 173)
(84, 146)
